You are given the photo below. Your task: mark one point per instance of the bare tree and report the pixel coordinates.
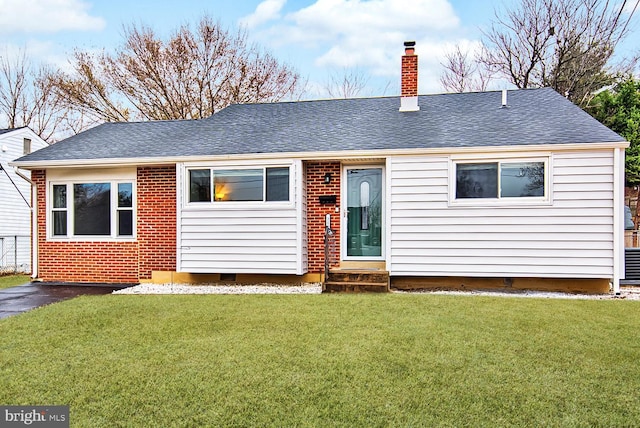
(13, 88)
(90, 91)
(27, 98)
(565, 44)
(463, 73)
(190, 76)
(346, 84)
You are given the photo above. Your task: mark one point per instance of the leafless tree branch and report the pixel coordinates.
(565, 44)
(191, 75)
(27, 97)
(463, 73)
(346, 84)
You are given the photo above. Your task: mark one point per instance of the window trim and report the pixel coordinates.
(26, 146)
(113, 206)
(545, 158)
(236, 204)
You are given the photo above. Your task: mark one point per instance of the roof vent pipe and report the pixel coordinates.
(504, 99)
(409, 79)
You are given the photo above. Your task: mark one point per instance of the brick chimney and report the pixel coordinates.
(409, 79)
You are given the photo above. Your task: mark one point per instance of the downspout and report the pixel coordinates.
(618, 217)
(34, 221)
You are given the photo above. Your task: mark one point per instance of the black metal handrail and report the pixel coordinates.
(329, 246)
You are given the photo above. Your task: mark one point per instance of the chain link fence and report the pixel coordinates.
(15, 254)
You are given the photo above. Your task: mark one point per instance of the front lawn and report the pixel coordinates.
(7, 281)
(327, 360)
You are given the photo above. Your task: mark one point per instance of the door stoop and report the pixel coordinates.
(356, 280)
(362, 265)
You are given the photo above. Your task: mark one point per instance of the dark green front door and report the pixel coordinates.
(364, 212)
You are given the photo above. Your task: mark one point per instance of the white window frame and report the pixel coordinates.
(547, 199)
(237, 204)
(118, 208)
(113, 202)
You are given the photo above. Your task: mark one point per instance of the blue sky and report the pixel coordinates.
(317, 37)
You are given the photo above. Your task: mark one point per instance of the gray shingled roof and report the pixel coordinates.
(4, 131)
(534, 116)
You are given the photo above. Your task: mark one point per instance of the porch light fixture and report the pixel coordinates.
(327, 178)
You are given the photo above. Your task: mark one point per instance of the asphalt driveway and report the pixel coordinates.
(16, 300)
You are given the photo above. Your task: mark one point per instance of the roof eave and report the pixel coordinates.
(342, 154)
(24, 129)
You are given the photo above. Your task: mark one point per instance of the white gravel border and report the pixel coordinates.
(312, 288)
(626, 293)
(631, 293)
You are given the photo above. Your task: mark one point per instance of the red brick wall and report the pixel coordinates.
(157, 219)
(116, 262)
(316, 212)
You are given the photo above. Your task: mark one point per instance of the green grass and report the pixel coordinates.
(13, 280)
(327, 360)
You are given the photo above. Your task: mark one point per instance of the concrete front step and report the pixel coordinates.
(355, 281)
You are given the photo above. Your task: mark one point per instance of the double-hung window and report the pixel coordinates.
(501, 180)
(92, 209)
(269, 184)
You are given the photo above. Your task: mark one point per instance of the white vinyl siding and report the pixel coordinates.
(242, 237)
(15, 213)
(571, 236)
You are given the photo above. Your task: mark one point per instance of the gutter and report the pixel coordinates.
(34, 222)
(332, 155)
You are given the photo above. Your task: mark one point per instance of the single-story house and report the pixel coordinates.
(15, 200)
(517, 188)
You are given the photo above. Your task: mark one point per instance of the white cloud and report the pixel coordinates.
(266, 11)
(327, 18)
(46, 16)
(367, 34)
(38, 53)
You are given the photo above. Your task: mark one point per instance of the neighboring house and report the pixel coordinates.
(15, 200)
(519, 188)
